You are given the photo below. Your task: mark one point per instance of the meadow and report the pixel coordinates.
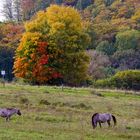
(50, 113)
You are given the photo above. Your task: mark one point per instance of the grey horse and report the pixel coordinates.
(8, 112)
(102, 118)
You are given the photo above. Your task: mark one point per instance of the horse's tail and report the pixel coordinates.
(114, 119)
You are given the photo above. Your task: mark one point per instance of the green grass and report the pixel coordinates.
(48, 113)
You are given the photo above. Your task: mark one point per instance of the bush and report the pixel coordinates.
(44, 102)
(24, 100)
(129, 79)
(104, 83)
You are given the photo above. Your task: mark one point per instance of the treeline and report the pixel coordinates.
(22, 10)
(113, 27)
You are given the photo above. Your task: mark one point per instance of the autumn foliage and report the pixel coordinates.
(32, 62)
(56, 39)
(53, 47)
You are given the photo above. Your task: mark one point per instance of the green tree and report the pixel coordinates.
(128, 39)
(82, 4)
(106, 47)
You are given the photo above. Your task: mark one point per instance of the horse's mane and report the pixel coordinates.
(94, 115)
(9, 108)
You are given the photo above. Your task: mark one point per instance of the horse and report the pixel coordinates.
(8, 112)
(102, 118)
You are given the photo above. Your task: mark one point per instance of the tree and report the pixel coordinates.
(136, 19)
(106, 48)
(8, 9)
(17, 10)
(128, 39)
(32, 56)
(108, 2)
(27, 9)
(10, 36)
(70, 2)
(52, 47)
(58, 1)
(125, 11)
(82, 4)
(98, 64)
(126, 59)
(42, 4)
(6, 61)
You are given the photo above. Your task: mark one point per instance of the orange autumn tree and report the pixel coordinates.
(32, 59)
(53, 47)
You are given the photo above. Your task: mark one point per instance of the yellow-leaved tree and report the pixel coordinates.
(60, 32)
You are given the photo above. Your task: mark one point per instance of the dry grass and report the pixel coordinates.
(52, 114)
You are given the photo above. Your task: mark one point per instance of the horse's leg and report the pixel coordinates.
(7, 118)
(100, 125)
(108, 123)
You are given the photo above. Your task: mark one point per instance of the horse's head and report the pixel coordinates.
(18, 112)
(94, 125)
(94, 121)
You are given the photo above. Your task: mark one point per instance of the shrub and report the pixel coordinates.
(24, 100)
(81, 106)
(44, 102)
(104, 83)
(129, 79)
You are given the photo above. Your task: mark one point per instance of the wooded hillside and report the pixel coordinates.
(112, 27)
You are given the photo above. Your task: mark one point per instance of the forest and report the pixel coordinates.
(72, 42)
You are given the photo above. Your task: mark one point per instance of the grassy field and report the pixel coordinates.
(48, 113)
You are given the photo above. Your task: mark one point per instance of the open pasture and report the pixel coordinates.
(48, 113)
